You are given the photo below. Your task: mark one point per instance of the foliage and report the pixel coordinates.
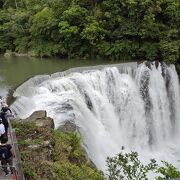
(168, 172)
(28, 166)
(23, 129)
(121, 30)
(68, 171)
(29, 171)
(70, 162)
(128, 166)
(170, 51)
(24, 142)
(68, 147)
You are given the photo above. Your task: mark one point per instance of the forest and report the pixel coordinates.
(111, 29)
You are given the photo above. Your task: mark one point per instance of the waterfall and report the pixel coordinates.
(128, 105)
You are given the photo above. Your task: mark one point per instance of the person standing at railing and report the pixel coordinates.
(4, 114)
(2, 102)
(2, 131)
(6, 157)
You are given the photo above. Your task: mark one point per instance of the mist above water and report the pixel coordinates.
(138, 108)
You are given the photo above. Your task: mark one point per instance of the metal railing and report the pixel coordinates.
(17, 164)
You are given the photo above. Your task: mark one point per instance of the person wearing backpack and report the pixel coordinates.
(6, 157)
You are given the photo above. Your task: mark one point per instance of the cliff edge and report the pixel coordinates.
(52, 154)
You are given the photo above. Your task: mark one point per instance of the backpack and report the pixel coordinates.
(4, 152)
(3, 138)
(5, 109)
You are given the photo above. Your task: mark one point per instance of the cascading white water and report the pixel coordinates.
(113, 108)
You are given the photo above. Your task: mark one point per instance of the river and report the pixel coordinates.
(16, 70)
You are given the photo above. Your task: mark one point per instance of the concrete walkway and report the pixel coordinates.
(2, 173)
(3, 177)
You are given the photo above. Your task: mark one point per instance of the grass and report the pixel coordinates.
(70, 161)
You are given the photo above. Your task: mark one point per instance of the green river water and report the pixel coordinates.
(15, 70)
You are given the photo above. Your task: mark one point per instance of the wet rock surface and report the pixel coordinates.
(68, 127)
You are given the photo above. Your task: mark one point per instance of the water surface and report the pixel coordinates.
(16, 70)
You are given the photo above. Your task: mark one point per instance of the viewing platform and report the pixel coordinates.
(17, 166)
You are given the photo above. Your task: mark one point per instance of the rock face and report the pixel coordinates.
(68, 127)
(35, 142)
(37, 115)
(40, 119)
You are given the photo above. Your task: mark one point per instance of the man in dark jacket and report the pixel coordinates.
(6, 157)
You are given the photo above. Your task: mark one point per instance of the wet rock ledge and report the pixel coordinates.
(52, 154)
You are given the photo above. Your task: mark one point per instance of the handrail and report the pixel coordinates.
(17, 160)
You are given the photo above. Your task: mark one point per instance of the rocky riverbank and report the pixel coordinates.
(52, 154)
(10, 53)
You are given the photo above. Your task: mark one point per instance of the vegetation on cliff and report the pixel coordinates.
(34, 145)
(128, 29)
(70, 160)
(52, 154)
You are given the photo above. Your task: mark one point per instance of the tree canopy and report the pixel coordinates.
(112, 29)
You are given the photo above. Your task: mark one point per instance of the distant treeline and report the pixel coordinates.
(111, 29)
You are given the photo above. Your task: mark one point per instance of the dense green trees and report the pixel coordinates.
(112, 29)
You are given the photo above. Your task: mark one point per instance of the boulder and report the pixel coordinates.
(37, 115)
(68, 127)
(41, 119)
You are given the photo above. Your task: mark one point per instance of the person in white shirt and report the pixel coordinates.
(2, 102)
(2, 130)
